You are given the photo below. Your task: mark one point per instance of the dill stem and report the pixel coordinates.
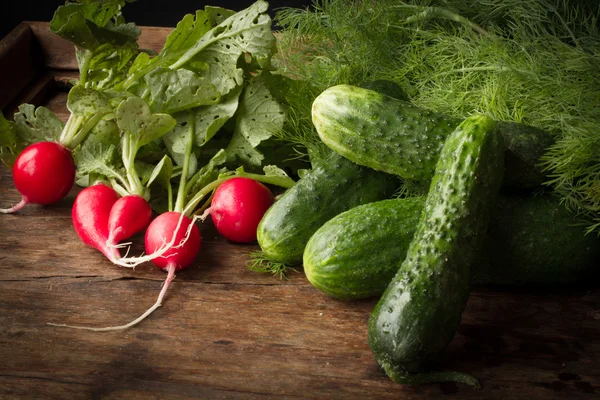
(566, 26)
(495, 68)
(437, 12)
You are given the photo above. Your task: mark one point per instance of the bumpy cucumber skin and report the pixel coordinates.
(355, 254)
(381, 132)
(389, 134)
(531, 241)
(417, 316)
(330, 188)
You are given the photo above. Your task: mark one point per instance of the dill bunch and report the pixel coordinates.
(539, 66)
(529, 61)
(336, 41)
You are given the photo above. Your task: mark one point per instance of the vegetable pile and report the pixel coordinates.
(421, 146)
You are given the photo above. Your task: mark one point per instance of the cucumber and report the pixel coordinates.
(381, 132)
(391, 135)
(333, 186)
(417, 315)
(531, 240)
(355, 255)
(536, 241)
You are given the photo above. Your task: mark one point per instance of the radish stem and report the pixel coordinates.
(180, 202)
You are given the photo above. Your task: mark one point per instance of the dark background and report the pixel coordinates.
(142, 12)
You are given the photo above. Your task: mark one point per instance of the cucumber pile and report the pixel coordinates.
(481, 217)
(335, 185)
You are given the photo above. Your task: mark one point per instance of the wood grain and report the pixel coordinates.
(20, 63)
(225, 332)
(40, 89)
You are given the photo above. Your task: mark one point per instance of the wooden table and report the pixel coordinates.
(225, 332)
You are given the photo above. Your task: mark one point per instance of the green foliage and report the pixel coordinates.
(211, 43)
(8, 141)
(90, 24)
(258, 116)
(197, 109)
(259, 262)
(99, 159)
(36, 124)
(191, 115)
(177, 90)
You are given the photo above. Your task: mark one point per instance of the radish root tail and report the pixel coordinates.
(159, 300)
(20, 205)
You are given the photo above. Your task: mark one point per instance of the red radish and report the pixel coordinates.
(182, 236)
(185, 248)
(43, 173)
(90, 214)
(237, 207)
(128, 216)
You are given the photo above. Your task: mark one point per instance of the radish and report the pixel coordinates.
(129, 215)
(237, 207)
(43, 173)
(137, 127)
(173, 240)
(90, 215)
(101, 219)
(168, 225)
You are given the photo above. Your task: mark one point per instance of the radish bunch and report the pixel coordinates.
(131, 213)
(172, 240)
(168, 133)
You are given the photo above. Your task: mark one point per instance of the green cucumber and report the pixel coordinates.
(333, 186)
(381, 132)
(355, 255)
(536, 241)
(391, 135)
(417, 315)
(531, 240)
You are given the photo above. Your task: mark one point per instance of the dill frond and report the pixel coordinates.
(260, 263)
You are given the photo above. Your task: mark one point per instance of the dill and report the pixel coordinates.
(260, 263)
(529, 61)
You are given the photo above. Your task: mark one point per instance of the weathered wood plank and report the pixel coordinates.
(63, 77)
(226, 332)
(41, 88)
(20, 63)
